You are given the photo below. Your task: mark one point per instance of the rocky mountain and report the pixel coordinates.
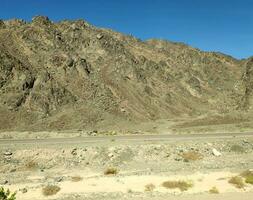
(71, 75)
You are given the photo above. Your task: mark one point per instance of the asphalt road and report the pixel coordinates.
(124, 138)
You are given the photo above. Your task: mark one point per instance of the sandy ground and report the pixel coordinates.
(94, 183)
(149, 162)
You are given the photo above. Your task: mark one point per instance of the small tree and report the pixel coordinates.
(6, 194)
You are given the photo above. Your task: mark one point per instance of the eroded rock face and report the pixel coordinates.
(71, 74)
(2, 25)
(15, 23)
(248, 85)
(41, 20)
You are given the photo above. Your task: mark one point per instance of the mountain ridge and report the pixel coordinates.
(71, 74)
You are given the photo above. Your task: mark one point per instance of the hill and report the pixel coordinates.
(72, 75)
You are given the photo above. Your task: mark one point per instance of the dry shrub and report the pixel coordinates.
(191, 156)
(248, 175)
(214, 190)
(149, 187)
(237, 181)
(111, 171)
(50, 190)
(31, 165)
(76, 178)
(237, 149)
(182, 185)
(249, 180)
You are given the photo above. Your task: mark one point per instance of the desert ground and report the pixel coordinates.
(194, 166)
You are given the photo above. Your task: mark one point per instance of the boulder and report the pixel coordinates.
(216, 152)
(99, 36)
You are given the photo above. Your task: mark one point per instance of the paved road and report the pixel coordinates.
(124, 138)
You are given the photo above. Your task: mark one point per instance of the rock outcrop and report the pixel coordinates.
(72, 75)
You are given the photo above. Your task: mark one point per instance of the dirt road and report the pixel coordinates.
(125, 138)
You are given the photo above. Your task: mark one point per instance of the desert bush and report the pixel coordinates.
(149, 187)
(249, 180)
(237, 181)
(214, 190)
(248, 175)
(191, 156)
(111, 171)
(6, 194)
(237, 149)
(50, 190)
(31, 165)
(76, 178)
(182, 185)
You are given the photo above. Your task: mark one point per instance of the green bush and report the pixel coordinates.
(6, 194)
(248, 175)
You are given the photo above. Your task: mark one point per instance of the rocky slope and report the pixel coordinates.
(71, 74)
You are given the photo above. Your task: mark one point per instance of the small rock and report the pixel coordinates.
(122, 110)
(13, 170)
(23, 190)
(216, 153)
(110, 155)
(94, 134)
(4, 182)
(177, 159)
(59, 179)
(73, 152)
(99, 36)
(245, 141)
(70, 62)
(7, 153)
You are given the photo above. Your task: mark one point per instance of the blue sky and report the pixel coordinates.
(211, 25)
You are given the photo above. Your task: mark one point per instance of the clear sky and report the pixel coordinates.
(212, 25)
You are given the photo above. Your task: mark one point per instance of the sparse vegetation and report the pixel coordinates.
(76, 178)
(111, 171)
(237, 181)
(182, 185)
(31, 165)
(17, 94)
(50, 190)
(191, 156)
(129, 191)
(149, 187)
(248, 175)
(6, 194)
(237, 149)
(214, 190)
(249, 180)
